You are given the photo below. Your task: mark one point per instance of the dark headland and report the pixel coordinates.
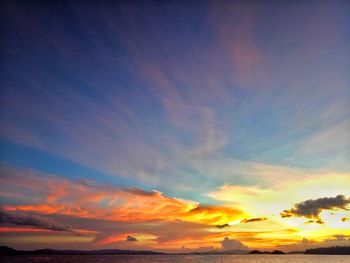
(329, 251)
(338, 250)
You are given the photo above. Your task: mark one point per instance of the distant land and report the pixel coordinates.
(338, 250)
(221, 252)
(4, 250)
(275, 252)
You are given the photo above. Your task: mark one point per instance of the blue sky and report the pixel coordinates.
(178, 97)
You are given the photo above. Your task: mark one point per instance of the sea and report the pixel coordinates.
(177, 259)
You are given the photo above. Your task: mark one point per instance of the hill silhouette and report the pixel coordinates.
(329, 251)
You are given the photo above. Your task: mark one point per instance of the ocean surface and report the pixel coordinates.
(178, 259)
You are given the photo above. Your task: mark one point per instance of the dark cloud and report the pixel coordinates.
(130, 238)
(318, 221)
(212, 208)
(138, 191)
(312, 208)
(251, 220)
(20, 218)
(341, 237)
(231, 244)
(223, 225)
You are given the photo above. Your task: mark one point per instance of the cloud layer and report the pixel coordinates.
(109, 216)
(113, 215)
(87, 199)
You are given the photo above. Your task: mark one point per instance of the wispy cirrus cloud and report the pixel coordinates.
(180, 101)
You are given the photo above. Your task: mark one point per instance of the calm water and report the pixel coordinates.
(179, 259)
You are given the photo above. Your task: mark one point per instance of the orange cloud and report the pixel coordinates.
(213, 215)
(112, 239)
(88, 200)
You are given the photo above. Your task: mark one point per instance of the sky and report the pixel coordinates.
(175, 126)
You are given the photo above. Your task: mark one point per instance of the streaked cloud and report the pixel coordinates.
(21, 218)
(223, 225)
(252, 220)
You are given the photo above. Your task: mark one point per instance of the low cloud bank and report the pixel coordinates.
(232, 244)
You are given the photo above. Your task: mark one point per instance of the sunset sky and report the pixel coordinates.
(175, 126)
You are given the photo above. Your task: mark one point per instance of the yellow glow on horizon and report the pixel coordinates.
(271, 202)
